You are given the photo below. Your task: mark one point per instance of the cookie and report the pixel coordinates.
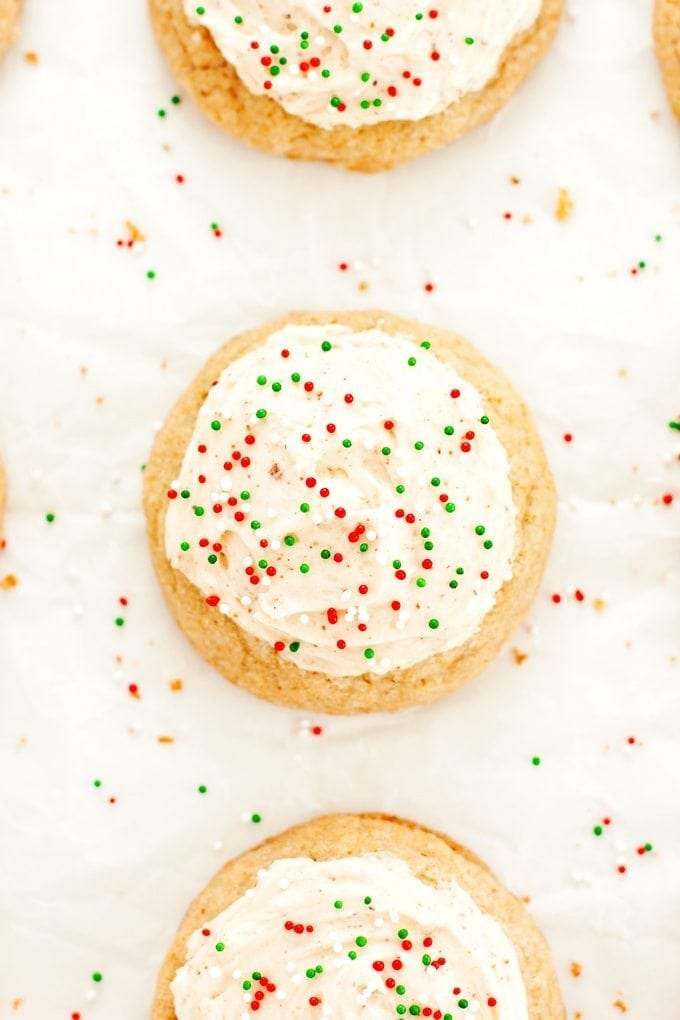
(349, 512)
(3, 501)
(9, 16)
(667, 39)
(364, 85)
(366, 908)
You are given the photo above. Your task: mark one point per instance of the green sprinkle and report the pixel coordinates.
(421, 582)
(326, 345)
(535, 760)
(119, 621)
(453, 584)
(367, 900)
(402, 933)
(151, 275)
(255, 525)
(433, 624)
(488, 544)
(338, 904)
(386, 451)
(199, 511)
(290, 539)
(480, 529)
(294, 646)
(361, 941)
(261, 413)
(304, 568)
(161, 113)
(276, 386)
(256, 819)
(97, 977)
(202, 788)
(449, 430)
(363, 547)
(484, 419)
(450, 507)
(365, 76)
(215, 425)
(459, 570)
(337, 29)
(463, 1003)
(396, 564)
(200, 10)
(185, 493)
(412, 362)
(347, 443)
(469, 40)
(436, 482)
(419, 445)
(426, 344)
(304, 508)
(245, 494)
(295, 377)
(176, 100)
(184, 546)
(357, 8)
(50, 518)
(426, 959)
(401, 489)
(238, 19)
(97, 783)
(325, 554)
(597, 830)
(262, 380)
(352, 954)
(369, 653)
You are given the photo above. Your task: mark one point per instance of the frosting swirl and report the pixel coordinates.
(364, 63)
(343, 938)
(345, 498)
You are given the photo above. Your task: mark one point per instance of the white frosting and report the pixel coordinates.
(391, 60)
(326, 506)
(450, 956)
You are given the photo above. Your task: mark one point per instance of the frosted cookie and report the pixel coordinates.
(9, 15)
(366, 84)
(667, 39)
(357, 915)
(349, 512)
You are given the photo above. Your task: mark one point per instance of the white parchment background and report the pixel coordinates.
(92, 353)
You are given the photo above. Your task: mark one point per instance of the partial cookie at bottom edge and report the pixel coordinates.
(431, 856)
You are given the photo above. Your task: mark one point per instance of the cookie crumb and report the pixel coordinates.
(176, 685)
(620, 1005)
(136, 235)
(518, 656)
(565, 205)
(31, 57)
(9, 581)
(364, 285)
(166, 740)
(576, 969)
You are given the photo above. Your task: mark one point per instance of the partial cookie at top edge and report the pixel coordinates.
(9, 17)
(262, 122)
(667, 40)
(433, 857)
(250, 662)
